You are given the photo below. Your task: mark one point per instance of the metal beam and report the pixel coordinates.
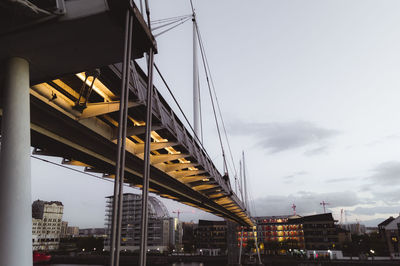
(212, 191)
(96, 109)
(203, 187)
(43, 152)
(73, 162)
(189, 179)
(135, 130)
(178, 166)
(93, 170)
(201, 182)
(162, 158)
(186, 173)
(139, 147)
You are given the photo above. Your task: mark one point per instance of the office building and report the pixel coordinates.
(46, 224)
(64, 229)
(163, 231)
(275, 233)
(211, 237)
(319, 231)
(279, 234)
(188, 240)
(73, 231)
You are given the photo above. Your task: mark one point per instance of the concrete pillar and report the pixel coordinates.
(15, 167)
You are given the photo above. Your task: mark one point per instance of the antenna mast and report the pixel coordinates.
(246, 203)
(196, 100)
(241, 181)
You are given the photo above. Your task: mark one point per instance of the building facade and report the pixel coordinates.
(92, 232)
(211, 237)
(389, 231)
(276, 233)
(279, 234)
(188, 240)
(46, 224)
(355, 228)
(163, 231)
(64, 229)
(319, 231)
(72, 231)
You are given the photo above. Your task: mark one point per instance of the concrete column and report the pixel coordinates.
(15, 167)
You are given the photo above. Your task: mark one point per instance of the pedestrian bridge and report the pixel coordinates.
(181, 169)
(75, 81)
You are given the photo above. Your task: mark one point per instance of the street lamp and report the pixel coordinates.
(372, 252)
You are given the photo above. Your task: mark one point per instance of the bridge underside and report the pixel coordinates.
(79, 124)
(86, 136)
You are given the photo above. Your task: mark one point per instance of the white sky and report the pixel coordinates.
(310, 91)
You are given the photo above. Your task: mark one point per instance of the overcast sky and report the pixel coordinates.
(308, 89)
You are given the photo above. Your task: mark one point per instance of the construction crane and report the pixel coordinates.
(178, 212)
(294, 209)
(323, 203)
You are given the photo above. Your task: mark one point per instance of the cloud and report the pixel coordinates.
(295, 175)
(386, 174)
(375, 222)
(389, 197)
(376, 210)
(336, 180)
(317, 151)
(290, 178)
(392, 137)
(306, 202)
(277, 137)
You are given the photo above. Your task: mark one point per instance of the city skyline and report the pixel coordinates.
(309, 90)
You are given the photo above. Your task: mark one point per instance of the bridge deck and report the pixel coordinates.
(181, 169)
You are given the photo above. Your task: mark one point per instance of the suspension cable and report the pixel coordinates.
(200, 111)
(160, 21)
(173, 27)
(216, 98)
(180, 109)
(170, 23)
(202, 52)
(70, 168)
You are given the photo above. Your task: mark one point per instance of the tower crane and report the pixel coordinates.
(323, 203)
(178, 212)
